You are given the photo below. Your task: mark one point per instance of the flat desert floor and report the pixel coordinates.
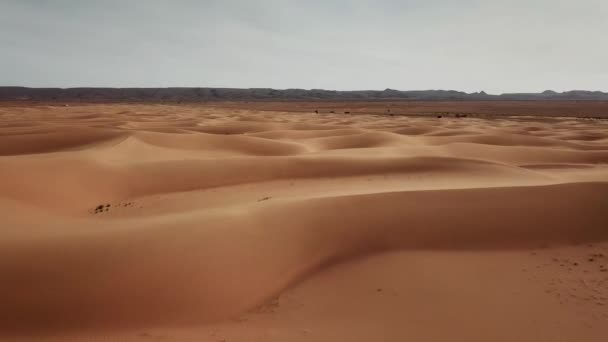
(222, 223)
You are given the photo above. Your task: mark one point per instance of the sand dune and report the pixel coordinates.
(208, 223)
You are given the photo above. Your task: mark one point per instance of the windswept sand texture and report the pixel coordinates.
(222, 223)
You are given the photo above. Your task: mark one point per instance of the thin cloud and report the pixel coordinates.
(497, 46)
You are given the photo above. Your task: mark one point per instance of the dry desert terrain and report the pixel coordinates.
(247, 222)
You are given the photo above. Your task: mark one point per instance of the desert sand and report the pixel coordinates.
(235, 223)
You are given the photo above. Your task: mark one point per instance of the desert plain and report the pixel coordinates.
(270, 222)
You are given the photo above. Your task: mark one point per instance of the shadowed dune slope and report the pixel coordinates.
(185, 266)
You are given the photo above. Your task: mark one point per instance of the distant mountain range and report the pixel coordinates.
(252, 94)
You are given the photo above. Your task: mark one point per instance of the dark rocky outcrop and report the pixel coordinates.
(253, 94)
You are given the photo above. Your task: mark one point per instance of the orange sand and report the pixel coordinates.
(229, 224)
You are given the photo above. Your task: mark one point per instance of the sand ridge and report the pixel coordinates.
(210, 222)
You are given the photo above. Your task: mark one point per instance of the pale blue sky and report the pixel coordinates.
(470, 45)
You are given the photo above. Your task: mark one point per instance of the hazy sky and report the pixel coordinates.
(471, 45)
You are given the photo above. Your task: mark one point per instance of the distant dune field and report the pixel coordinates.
(481, 109)
(266, 221)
